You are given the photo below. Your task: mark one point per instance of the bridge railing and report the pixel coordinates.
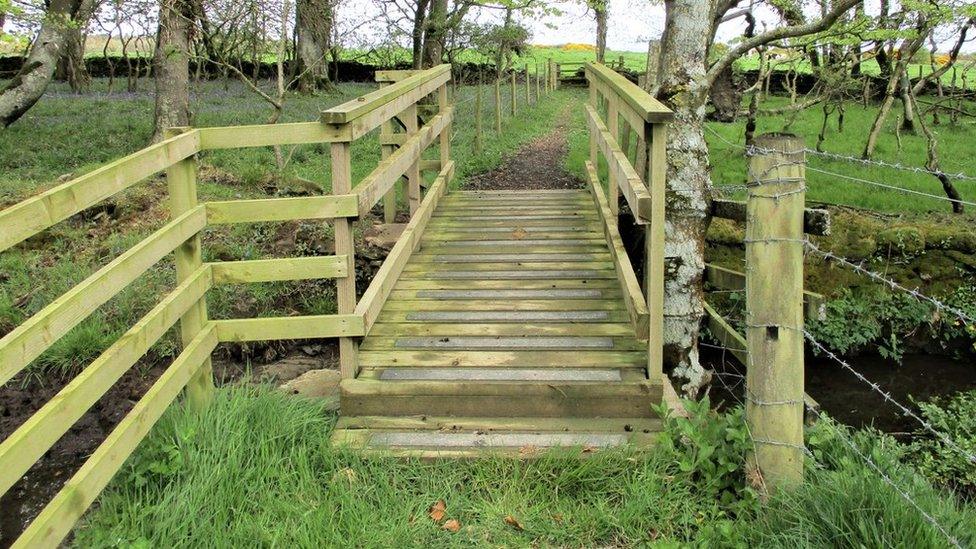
(618, 110)
(339, 126)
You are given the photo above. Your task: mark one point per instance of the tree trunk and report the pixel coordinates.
(71, 65)
(908, 120)
(313, 32)
(30, 82)
(172, 65)
(435, 34)
(417, 36)
(684, 48)
(502, 56)
(600, 10)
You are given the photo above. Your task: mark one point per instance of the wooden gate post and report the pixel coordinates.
(344, 245)
(774, 309)
(181, 179)
(498, 105)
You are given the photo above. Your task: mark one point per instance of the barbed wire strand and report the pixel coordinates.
(889, 186)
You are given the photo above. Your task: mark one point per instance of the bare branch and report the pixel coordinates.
(791, 31)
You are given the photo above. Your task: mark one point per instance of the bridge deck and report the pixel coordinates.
(506, 329)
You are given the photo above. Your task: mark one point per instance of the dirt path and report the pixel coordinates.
(536, 165)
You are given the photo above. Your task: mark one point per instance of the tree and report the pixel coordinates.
(685, 79)
(31, 81)
(313, 39)
(600, 8)
(172, 65)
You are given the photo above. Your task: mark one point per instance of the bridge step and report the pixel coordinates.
(428, 436)
(498, 398)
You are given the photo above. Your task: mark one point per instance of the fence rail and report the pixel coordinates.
(640, 177)
(191, 371)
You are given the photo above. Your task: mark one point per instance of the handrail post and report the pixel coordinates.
(657, 168)
(478, 122)
(181, 180)
(528, 86)
(613, 124)
(389, 201)
(413, 174)
(344, 245)
(538, 83)
(443, 103)
(774, 309)
(595, 103)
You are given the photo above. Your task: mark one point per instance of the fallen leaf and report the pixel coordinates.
(526, 451)
(513, 522)
(589, 449)
(519, 233)
(452, 525)
(437, 511)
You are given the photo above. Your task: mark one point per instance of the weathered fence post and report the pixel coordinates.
(498, 105)
(514, 100)
(528, 86)
(344, 245)
(478, 137)
(181, 179)
(555, 78)
(538, 83)
(774, 308)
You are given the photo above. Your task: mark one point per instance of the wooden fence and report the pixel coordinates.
(339, 126)
(620, 114)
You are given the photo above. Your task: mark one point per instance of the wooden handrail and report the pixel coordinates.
(648, 108)
(27, 218)
(630, 183)
(27, 341)
(361, 106)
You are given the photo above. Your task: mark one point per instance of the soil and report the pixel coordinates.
(537, 165)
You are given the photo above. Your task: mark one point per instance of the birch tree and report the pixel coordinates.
(685, 79)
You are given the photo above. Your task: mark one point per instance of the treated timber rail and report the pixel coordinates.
(499, 321)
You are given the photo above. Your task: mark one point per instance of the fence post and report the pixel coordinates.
(181, 180)
(555, 78)
(498, 105)
(774, 309)
(528, 86)
(613, 124)
(478, 137)
(514, 100)
(538, 83)
(344, 245)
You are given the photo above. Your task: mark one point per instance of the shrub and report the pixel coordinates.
(941, 464)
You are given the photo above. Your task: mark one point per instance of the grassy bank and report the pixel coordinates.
(67, 135)
(257, 468)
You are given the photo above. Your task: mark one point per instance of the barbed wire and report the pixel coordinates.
(890, 482)
(830, 256)
(892, 165)
(887, 396)
(889, 186)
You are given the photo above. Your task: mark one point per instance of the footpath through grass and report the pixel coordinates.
(257, 469)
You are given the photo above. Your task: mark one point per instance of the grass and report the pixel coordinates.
(66, 135)
(257, 469)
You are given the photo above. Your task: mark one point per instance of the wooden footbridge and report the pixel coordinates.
(500, 320)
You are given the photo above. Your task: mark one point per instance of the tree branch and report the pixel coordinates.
(791, 31)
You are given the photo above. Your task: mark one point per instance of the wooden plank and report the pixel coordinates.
(404, 301)
(59, 516)
(633, 296)
(282, 209)
(479, 258)
(36, 435)
(356, 108)
(387, 276)
(654, 242)
(384, 329)
(505, 316)
(26, 342)
(391, 76)
(363, 123)
(630, 182)
(389, 170)
(502, 343)
(289, 327)
(485, 359)
(488, 424)
(816, 221)
(266, 135)
(729, 279)
(272, 270)
(434, 236)
(434, 267)
(35, 214)
(640, 101)
(504, 284)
